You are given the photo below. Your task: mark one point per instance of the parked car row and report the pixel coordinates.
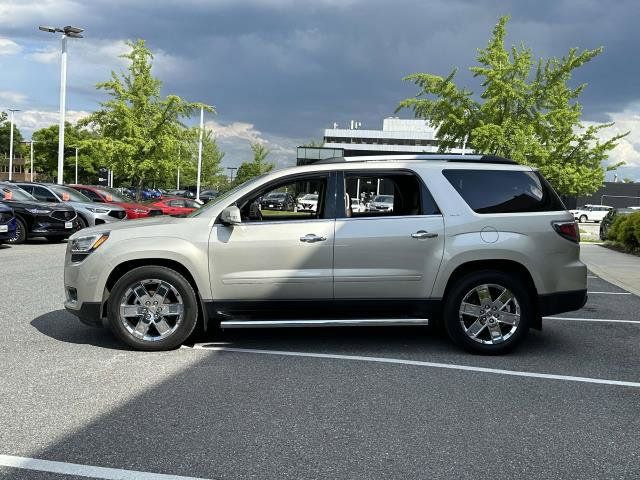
(29, 209)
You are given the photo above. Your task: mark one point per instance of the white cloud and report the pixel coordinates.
(31, 120)
(9, 47)
(12, 98)
(237, 130)
(628, 148)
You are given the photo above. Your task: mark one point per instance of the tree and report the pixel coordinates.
(526, 111)
(187, 158)
(138, 131)
(5, 135)
(46, 153)
(258, 166)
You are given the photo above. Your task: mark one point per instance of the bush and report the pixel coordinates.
(626, 230)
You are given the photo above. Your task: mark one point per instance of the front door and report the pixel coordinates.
(277, 253)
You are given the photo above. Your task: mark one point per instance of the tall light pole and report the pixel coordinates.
(73, 32)
(200, 153)
(76, 165)
(31, 169)
(11, 110)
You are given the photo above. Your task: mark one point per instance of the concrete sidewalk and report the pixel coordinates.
(621, 269)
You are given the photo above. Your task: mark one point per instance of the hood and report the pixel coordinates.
(110, 206)
(141, 223)
(130, 205)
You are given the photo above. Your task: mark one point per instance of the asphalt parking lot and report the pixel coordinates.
(342, 403)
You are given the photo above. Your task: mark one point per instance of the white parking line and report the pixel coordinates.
(610, 293)
(605, 320)
(418, 363)
(84, 470)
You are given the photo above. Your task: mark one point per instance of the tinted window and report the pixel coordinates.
(92, 195)
(504, 191)
(43, 194)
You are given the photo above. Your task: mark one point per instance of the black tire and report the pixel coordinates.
(453, 320)
(183, 328)
(82, 223)
(20, 235)
(583, 219)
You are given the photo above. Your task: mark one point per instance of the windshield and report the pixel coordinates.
(112, 195)
(383, 199)
(309, 196)
(68, 194)
(224, 196)
(275, 195)
(9, 192)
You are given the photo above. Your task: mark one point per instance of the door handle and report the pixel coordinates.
(312, 238)
(420, 234)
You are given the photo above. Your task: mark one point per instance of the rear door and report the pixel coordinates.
(387, 254)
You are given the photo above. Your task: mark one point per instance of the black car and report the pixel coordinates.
(278, 201)
(609, 218)
(208, 195)
(53, 221)
(7, 223)
(181, 193)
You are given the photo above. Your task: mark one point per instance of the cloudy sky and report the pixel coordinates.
(279, 71)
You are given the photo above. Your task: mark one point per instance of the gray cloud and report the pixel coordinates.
(290, 68)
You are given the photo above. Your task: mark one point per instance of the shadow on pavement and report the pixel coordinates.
(64, 327)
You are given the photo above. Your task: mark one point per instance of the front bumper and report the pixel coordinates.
(45, 226)
(89, 313)
(8, 230)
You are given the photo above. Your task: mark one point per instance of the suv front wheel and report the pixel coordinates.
(488, 312)
(152, 308)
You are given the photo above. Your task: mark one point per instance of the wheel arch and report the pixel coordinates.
(119, 270)
(507, 266)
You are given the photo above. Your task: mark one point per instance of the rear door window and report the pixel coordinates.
(504, 191)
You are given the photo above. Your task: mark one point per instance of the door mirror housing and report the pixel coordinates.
(231, 216)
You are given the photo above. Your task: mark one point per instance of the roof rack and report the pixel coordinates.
(447, 157)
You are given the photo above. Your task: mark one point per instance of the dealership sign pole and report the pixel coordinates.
(200, 153)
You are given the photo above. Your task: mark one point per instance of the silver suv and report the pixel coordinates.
(477, 244)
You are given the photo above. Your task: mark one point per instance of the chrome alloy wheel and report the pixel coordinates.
(151, 310)
(489, 314)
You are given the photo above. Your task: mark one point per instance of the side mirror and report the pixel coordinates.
(231, 216)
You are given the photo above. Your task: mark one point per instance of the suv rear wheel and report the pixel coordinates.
(488, 312)
(152, 308)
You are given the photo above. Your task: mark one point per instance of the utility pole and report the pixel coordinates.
(73, 32)
(76, 165)
(31, 169)
(231, 172)
(11, 112)
(200, 153)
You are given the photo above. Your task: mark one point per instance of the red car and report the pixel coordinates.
(175, 205)
(110, 195)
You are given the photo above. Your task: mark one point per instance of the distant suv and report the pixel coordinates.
(591, 213)
(477, 244)
(89, 214)
(53, 221)
(7, 223)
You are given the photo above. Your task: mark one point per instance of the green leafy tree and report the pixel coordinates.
(257, 166)
(138, 130)
(526, 111)
(46, 153)
(5, 135)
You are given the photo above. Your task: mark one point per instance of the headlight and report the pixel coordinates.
(98, 210)
(87, 244)
(39, 211)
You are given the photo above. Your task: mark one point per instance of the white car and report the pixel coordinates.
(308, 203)
(357, 206)
(381, 203)
(591, 213)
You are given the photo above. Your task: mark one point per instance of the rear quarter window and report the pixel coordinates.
(504, 191)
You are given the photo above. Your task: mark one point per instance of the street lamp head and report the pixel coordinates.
(73, 35)
(46, 28)
(69, 29)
